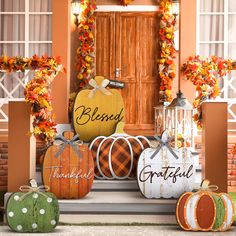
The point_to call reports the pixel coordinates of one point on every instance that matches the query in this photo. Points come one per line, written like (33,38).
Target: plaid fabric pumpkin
(116,156)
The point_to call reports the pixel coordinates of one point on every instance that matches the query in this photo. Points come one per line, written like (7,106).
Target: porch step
(132,203)
(86,219)
(117,203)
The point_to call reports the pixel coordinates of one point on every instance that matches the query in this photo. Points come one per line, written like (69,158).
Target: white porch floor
(120,230)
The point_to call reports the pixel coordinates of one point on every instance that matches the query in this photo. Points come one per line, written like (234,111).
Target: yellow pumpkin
(97,111)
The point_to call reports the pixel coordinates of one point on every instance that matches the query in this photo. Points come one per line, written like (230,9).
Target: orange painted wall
(187,31)
(61,35)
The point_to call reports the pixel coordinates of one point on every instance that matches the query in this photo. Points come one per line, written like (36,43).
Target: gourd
(205,210)
(68,168)
(97,111)
(116,156)
(32,210)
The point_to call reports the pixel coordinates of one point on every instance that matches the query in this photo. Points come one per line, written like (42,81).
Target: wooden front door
(127,50)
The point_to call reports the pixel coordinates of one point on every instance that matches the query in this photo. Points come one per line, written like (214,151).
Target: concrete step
(116,219)
(131,203)
(118,203)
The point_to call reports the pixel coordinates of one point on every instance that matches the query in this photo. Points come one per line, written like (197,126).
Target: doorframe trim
(130,8)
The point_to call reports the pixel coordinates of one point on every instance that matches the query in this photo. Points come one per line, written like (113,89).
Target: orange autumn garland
(86,49)
(167,68)
(125,2)
(37,91)
(204,73)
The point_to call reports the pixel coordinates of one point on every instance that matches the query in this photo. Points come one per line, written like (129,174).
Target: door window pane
(212,49)
(38,31)
(212,5)
(232,51)
(12,5)
(12,49)
(231,27)
(12,27)
(212,28)
(40,5)
(40,49)
(232,5)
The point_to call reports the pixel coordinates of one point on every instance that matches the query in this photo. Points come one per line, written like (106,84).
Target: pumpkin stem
(120,128)
(205,183)
(33,183)
(68,134)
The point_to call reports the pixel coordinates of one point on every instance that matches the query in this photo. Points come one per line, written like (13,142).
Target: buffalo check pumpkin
(116,156)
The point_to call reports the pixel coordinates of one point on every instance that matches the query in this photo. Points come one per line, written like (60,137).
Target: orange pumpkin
(68,168)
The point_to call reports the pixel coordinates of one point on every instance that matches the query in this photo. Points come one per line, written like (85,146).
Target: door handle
(117,72)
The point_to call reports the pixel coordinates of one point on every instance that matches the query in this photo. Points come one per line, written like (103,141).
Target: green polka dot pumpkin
(36,212)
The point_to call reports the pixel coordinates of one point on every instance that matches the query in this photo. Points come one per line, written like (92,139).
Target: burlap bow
(33,189)
(62,141)
(164,143)
(97,87)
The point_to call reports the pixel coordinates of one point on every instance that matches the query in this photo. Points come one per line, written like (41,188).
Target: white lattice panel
(228,93)
(11,89)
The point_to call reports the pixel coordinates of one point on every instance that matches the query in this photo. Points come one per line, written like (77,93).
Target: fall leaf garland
(125,2)
(86,49)
(37,91)
(167,67)
(204,74)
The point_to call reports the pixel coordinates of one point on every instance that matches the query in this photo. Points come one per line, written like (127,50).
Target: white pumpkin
(167,174)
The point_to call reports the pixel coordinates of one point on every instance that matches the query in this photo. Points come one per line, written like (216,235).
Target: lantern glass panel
(179,123)
(160,118)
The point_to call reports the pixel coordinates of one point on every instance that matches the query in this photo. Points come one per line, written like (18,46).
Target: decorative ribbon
(29,190)
(205,186)
(97,87)
(163,144)
(65,142)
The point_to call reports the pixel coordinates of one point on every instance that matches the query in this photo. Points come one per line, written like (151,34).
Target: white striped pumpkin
(205,211)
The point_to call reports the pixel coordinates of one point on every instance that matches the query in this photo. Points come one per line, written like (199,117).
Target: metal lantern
(179,121)
(76,8)
(160,114)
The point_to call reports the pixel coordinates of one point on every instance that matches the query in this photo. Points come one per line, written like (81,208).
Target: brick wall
(231,169)
(231,166)
(3,166)
(4,160)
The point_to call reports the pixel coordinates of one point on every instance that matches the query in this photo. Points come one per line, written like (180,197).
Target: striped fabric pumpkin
(205,211)
(116,156)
